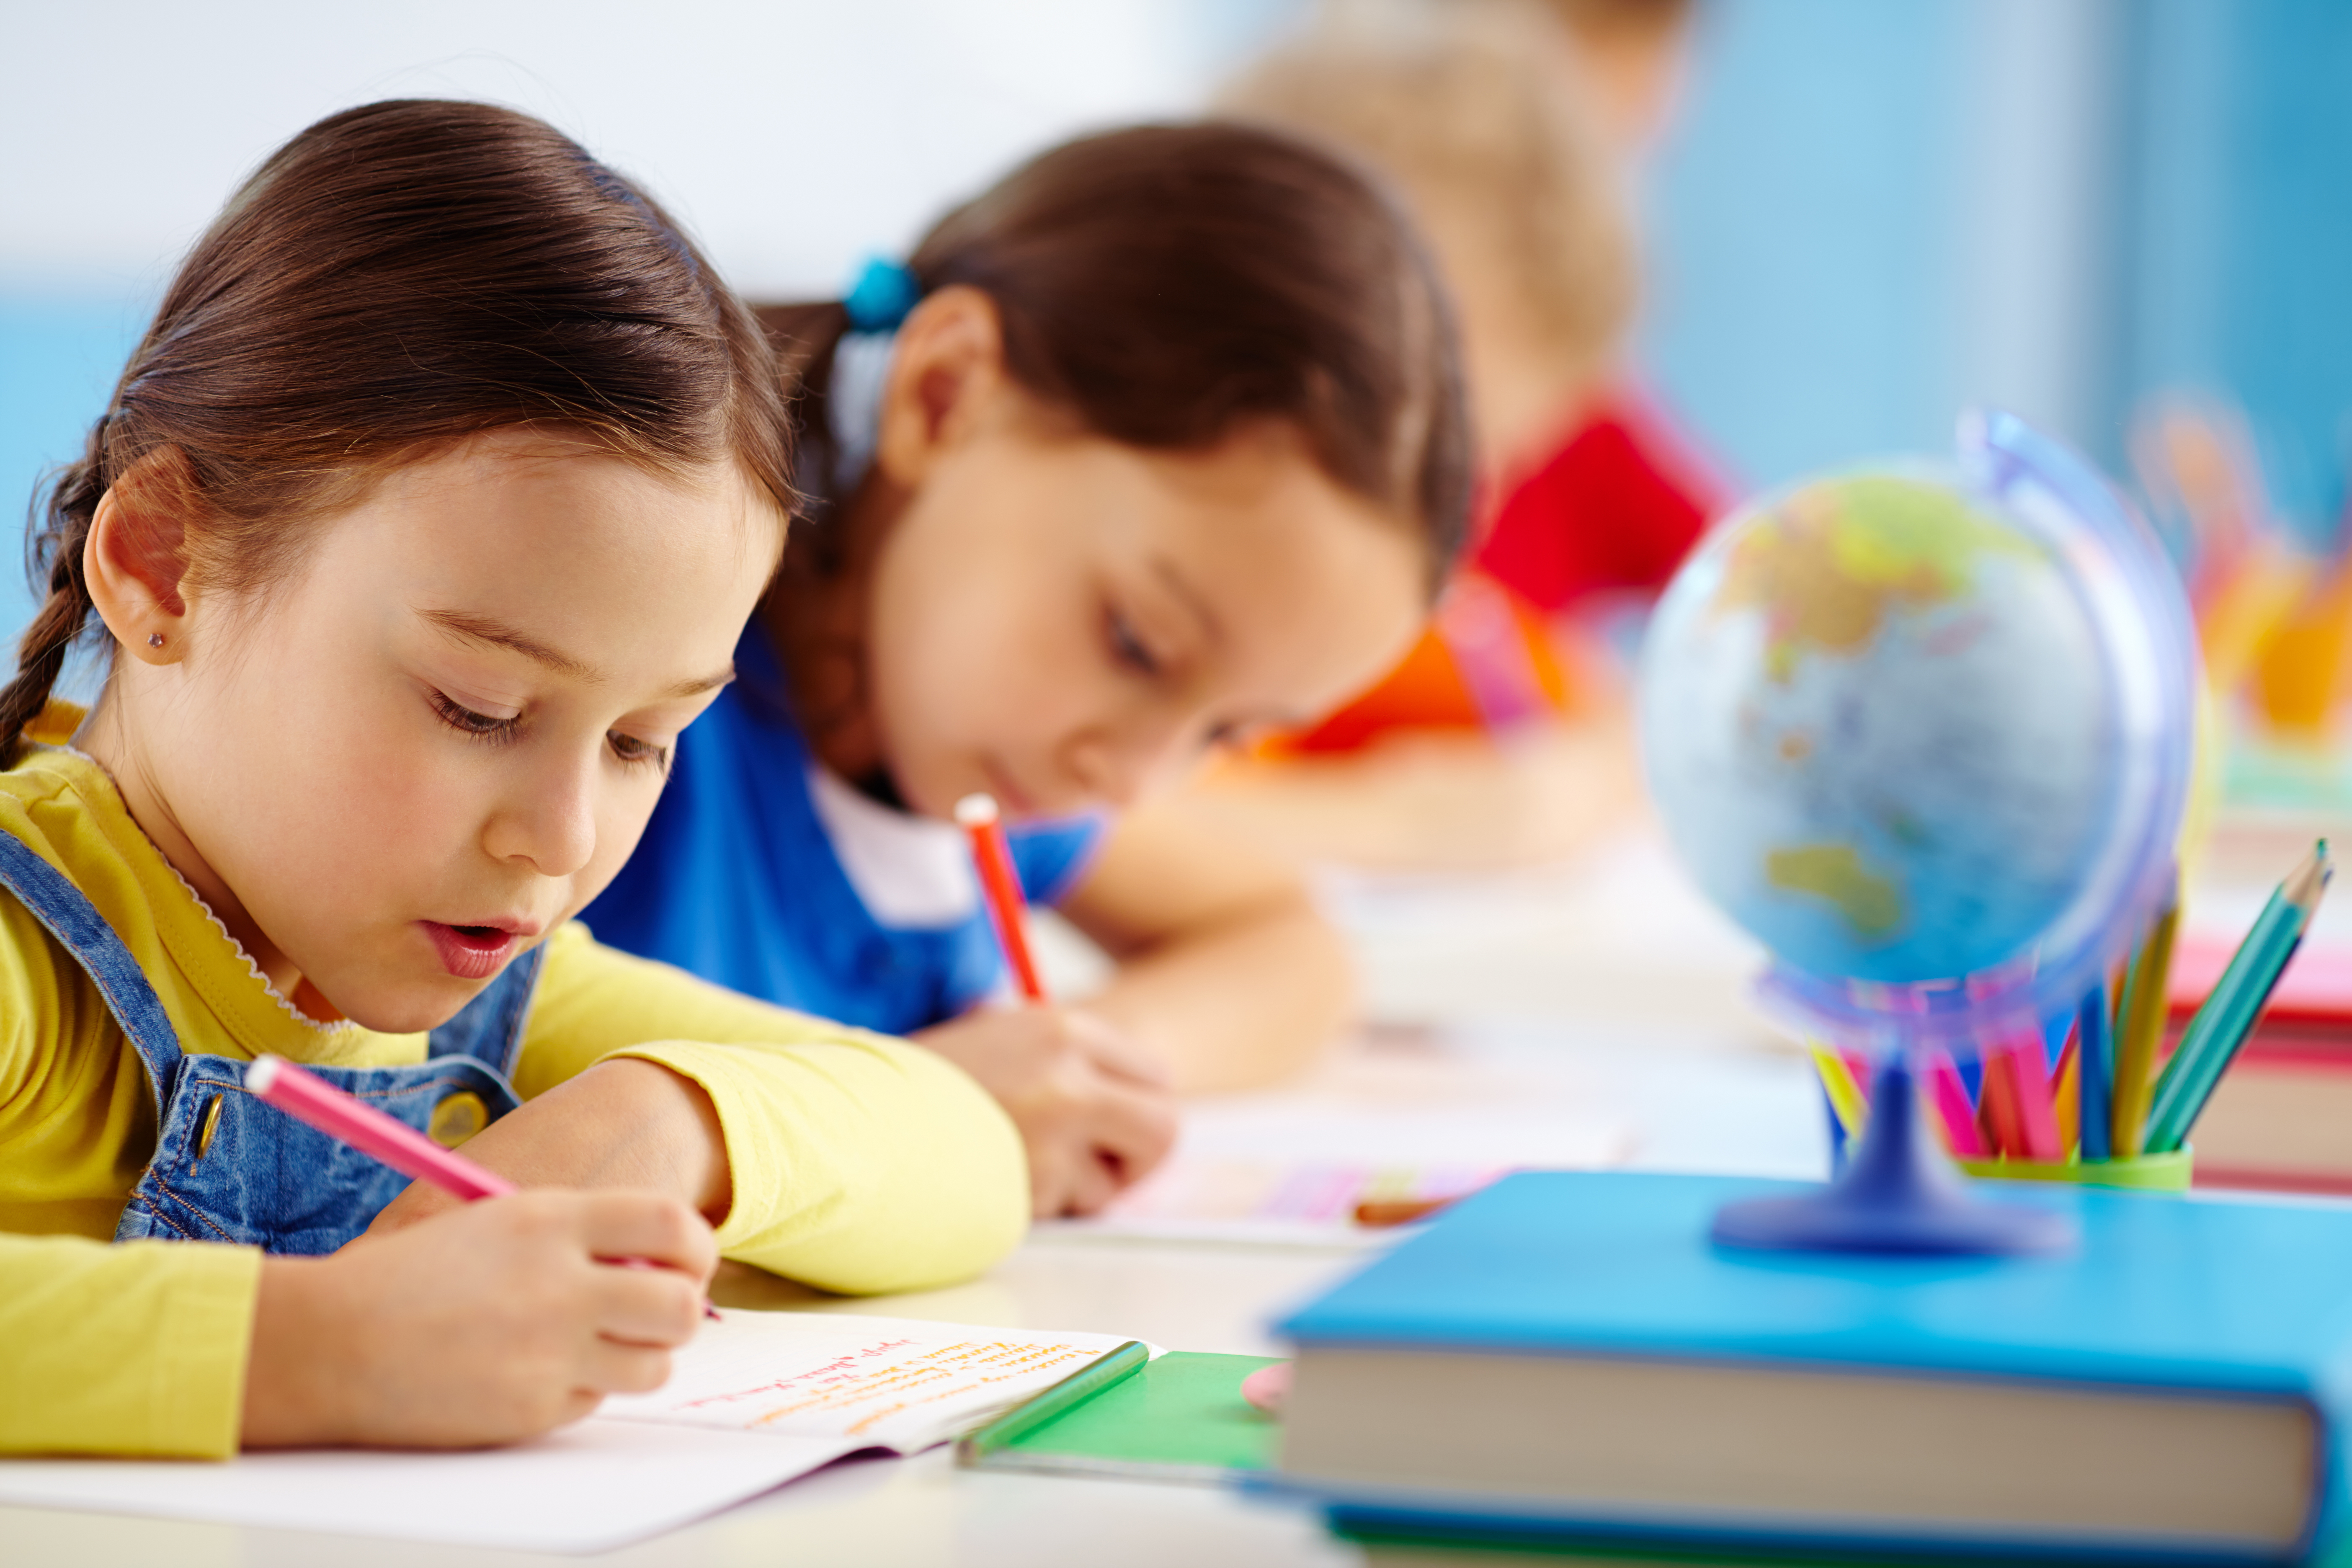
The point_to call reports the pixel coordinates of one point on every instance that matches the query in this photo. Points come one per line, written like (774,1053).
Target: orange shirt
(1615,508)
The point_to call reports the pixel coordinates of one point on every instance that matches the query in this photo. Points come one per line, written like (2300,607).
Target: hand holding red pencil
(1093,1113)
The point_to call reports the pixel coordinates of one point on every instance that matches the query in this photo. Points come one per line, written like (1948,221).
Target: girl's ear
(948,361)
(134,558)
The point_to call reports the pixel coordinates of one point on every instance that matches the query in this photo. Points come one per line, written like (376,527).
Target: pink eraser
(1269,1387)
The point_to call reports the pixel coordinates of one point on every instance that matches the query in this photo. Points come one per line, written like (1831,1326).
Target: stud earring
(154,639)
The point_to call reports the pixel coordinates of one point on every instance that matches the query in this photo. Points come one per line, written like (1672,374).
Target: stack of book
(2282,1118)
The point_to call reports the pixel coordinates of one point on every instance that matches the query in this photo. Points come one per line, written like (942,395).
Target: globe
(1923,730)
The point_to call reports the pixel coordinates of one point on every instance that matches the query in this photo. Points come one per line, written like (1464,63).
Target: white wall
(1871,214)
(791,135)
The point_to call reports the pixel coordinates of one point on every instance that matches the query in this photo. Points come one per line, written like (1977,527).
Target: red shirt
(1615,508)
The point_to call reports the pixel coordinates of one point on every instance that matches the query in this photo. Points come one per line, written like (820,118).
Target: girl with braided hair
(423,519)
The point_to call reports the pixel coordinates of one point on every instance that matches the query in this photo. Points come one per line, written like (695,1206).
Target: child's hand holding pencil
(487,1324)
(278,1082)
(1094,1113)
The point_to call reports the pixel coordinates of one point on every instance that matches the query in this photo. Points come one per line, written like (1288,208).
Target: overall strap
(66,913)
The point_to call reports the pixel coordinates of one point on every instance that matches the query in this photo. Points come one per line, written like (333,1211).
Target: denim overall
(229,1168)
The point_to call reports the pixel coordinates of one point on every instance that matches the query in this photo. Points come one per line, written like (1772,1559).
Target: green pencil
(2222,1023)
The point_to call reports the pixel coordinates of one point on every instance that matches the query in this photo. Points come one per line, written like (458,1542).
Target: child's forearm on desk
(858,1164)
(621,1123)
(135,1348)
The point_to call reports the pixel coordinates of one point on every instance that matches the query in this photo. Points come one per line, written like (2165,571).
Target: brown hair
(1167,283)
(1471,109)
(395,280)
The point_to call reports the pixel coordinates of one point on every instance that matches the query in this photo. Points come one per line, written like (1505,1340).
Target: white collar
(911,872)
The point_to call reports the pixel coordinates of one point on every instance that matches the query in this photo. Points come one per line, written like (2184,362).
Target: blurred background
(1856,216)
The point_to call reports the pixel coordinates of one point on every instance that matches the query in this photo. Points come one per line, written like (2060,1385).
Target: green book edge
(1175,1417)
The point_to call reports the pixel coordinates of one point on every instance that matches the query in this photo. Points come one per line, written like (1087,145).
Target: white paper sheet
(755,1401)
(592,1486)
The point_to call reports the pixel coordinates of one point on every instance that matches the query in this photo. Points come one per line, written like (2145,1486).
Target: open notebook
(755,1401)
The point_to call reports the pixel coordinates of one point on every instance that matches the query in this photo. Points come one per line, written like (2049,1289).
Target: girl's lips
(472,953)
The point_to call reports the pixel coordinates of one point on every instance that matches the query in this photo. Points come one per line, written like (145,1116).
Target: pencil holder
(2166,1173)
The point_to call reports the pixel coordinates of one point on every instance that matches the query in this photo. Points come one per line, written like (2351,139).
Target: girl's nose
(550,823)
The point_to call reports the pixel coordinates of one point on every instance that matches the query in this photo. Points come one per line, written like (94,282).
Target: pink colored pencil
(1949,1096)
(1001,883)
(2037,1104)
(276,1081)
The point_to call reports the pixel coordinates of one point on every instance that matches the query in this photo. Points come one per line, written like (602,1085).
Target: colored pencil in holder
(2140,1032)
(1997,1107)
(1949,1096)
(2036,1112)
(2066,1097)
(1847,1106)
(2093,1075)
(2221,1025)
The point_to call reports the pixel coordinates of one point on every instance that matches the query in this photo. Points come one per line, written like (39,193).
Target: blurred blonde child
(1501,738)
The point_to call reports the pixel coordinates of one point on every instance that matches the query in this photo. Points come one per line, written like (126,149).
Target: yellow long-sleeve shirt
(859,1163)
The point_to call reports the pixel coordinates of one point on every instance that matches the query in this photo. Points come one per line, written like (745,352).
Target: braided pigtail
(54,552)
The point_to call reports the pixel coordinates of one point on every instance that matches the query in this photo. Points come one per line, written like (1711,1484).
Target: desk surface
(1522,969)
(1700,1110)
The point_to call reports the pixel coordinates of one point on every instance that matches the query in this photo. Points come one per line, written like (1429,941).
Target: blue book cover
(2187,1295)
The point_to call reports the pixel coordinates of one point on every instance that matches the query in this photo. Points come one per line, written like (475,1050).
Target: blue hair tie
(885,291)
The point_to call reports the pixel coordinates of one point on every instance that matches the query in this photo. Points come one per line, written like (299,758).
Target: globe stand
(1898,1193)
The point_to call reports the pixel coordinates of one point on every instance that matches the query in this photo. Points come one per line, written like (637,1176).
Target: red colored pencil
(1000,885)
(1996,1109)
(276,1081)
(2037,1113)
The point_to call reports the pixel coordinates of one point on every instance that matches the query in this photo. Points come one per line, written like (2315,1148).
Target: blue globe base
(1899,1194)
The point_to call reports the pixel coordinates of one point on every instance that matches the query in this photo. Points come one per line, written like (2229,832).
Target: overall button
(210,1125)
(458,1118)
